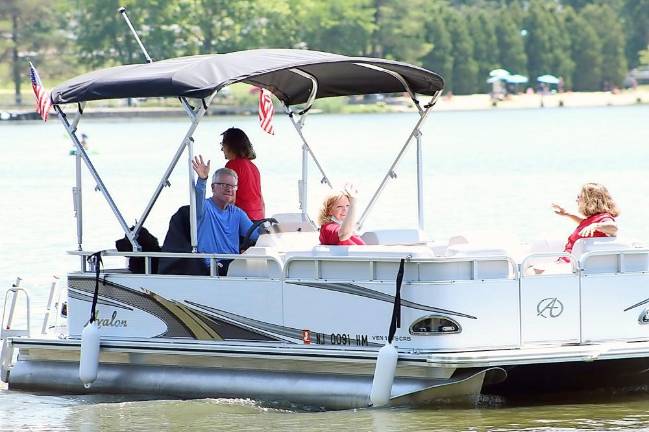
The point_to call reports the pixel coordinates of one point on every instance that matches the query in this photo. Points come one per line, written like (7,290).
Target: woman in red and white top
(239,153)
(600,211)
(337,218)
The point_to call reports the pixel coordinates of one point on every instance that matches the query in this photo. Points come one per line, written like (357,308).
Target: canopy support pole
(306,149)
(400,78)
(76,190)
(71,129)
(304,185)
(195,117)
(420,182)
(415,133)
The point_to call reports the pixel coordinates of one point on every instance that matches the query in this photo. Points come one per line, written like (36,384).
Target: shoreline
(555,100)
(475,102)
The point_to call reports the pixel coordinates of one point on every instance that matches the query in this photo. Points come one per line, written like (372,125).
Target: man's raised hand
(201,168)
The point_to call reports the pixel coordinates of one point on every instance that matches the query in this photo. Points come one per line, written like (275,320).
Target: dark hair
(238,143)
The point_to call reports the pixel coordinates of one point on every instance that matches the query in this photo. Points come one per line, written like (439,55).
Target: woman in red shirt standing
(337,219)
(599,209)
(239,153)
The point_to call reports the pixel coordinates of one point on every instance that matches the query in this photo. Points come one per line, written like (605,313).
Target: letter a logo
(549,307)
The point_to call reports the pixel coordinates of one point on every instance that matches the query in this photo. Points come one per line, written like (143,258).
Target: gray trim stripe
(645,301)
(83,296)
(259,326)
(356,290)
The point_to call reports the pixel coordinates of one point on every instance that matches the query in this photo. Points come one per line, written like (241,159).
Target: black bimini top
(199,76)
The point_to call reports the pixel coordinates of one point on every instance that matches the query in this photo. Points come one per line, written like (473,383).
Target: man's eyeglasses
(227,186)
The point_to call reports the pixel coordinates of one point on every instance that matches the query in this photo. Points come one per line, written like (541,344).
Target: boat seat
(395,237)
(373,251)
(485,269)
(609,263)
(546,246)
(474,250)
(262,268)
(291,222)
(289,241)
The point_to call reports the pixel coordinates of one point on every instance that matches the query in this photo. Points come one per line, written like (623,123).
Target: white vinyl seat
(262,268)
(485,269)
(616,261)
(289,241)
(291,222)
(389,237)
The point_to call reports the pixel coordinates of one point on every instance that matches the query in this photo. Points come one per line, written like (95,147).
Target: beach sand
(568,99)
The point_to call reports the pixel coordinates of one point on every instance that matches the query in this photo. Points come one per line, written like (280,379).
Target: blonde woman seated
(600,211)
(337,218)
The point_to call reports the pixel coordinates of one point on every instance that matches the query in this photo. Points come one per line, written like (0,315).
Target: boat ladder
(58,307)
(6,331)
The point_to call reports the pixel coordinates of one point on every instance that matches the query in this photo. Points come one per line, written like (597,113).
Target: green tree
(36,31)
(538,44)
(611,34)
(440,57)
(511,48)
(560,42)
(105,39)
(485,44)
(516,12)
(340,26)
(586,52)
(465,68)
(643,56)
(636,20)
(398,33)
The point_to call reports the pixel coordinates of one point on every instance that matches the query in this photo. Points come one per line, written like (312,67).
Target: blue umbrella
(498,73)
(516,79)
(548,79)
(493,79)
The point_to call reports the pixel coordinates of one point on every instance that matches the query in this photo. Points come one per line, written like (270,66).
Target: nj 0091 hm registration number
(334,339)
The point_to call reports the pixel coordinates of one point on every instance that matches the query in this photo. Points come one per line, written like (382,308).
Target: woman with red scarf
(600,211)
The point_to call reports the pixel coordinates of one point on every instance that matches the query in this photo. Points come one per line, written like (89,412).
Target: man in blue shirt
(220,222)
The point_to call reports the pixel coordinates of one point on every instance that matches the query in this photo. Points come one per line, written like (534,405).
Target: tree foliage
(33,31)
(610,33)
(538,42)
(587,42)
(586,50)
(511,48)
(485,45)
(465,68)
(636,19)
(440,58)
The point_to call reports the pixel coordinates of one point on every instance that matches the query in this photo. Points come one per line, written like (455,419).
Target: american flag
(43,101)
(266,111)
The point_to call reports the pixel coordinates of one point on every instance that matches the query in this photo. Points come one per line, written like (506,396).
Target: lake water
(489,175)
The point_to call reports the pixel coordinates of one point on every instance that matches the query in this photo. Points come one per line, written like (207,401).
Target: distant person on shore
(239,154)
(337,218)
(596,204)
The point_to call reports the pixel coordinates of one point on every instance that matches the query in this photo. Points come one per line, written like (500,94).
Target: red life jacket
(599,217)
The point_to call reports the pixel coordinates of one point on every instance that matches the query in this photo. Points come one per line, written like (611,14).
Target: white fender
(386,366)
(89,361)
